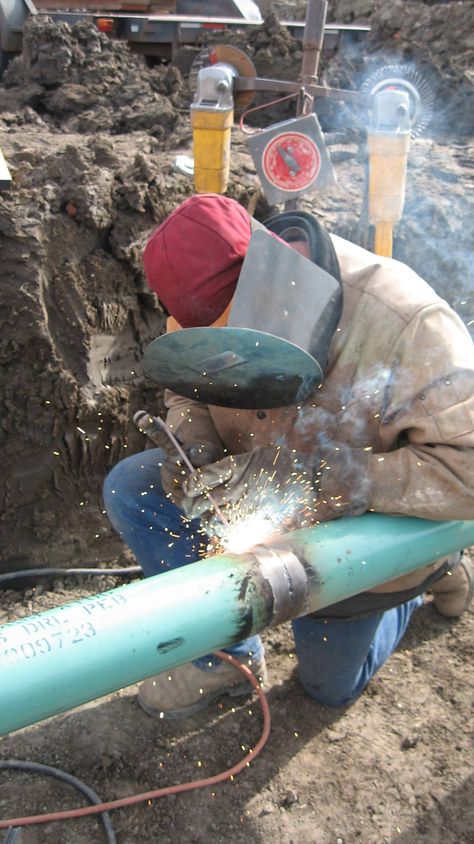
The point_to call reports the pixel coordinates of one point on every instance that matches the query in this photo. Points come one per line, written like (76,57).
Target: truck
(160,30)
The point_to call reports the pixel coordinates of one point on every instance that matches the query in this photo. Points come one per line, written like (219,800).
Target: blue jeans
(336,658)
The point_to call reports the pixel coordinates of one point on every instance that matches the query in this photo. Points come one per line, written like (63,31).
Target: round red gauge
(291,161)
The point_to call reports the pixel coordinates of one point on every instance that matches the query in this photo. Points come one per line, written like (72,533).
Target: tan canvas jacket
(399,385)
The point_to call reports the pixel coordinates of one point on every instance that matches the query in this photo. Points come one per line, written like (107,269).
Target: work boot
(186,690)
(452,594)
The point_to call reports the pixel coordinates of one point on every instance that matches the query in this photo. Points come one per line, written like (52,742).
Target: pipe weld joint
(288,581)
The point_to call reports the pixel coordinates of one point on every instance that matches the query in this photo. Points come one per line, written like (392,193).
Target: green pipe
(56,660)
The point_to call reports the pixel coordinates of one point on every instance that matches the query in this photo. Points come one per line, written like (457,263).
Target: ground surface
(395,768)
(91,137)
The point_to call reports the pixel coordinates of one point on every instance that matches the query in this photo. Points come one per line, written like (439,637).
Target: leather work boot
(186,690)
(452,594)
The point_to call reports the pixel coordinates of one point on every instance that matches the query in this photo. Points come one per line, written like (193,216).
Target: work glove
(175,471)
(294,489)
(273,481)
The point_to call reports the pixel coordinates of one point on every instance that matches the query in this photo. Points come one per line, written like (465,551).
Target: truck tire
(13,14)
(183,59)
(5,57)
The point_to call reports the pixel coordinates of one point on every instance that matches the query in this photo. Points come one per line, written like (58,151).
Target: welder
(383,421)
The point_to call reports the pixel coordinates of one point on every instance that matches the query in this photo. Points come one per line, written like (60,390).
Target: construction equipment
(290,157)
(212,117)
(388,143)
(401,109)
(5,177)
(168,30)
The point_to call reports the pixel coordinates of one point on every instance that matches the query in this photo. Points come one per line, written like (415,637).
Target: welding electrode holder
(151,425)
(198,455)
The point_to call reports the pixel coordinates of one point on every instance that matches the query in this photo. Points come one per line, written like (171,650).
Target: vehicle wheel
(184,58)
(5,57)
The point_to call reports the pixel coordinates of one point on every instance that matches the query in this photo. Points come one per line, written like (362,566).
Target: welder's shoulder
(385,283)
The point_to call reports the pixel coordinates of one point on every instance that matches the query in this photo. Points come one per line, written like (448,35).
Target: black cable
(13,835)
(12,575)
(38,768)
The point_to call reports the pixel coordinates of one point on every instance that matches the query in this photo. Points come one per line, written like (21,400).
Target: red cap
(193,259)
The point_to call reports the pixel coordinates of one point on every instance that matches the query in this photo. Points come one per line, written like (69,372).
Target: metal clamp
(215,88)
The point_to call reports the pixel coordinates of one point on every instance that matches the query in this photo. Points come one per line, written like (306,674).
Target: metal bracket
(214,88)
(259,84)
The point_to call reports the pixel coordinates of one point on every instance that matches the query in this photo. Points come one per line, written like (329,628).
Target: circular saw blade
(405,78)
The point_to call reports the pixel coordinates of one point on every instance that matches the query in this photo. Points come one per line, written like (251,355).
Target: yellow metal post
(388,144)
(211,149)
(383,240)
(212,116)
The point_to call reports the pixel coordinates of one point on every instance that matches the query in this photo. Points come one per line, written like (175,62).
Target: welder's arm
(430,414)
(191,423)
(271,479)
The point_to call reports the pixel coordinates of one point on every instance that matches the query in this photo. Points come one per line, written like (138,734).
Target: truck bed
(159,7)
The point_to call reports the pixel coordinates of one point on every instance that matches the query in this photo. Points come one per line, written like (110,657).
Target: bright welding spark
(248,532)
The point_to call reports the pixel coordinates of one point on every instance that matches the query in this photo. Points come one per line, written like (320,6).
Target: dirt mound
(78,80)
(77,316)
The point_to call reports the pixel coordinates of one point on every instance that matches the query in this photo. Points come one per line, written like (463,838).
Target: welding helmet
(281,311)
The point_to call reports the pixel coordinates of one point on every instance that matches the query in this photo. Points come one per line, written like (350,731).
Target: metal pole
(312,45)
(313,40)
(54,661)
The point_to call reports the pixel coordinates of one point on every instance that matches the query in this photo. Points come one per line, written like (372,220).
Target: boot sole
(205,701)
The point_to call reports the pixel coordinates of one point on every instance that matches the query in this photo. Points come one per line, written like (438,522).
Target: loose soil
(91,136)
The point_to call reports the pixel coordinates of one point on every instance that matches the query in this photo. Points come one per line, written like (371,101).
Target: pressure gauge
(291,161)
(291,158)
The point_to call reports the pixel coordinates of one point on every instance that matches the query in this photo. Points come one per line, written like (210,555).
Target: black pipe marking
(253,582)
(170,645)
(314,579)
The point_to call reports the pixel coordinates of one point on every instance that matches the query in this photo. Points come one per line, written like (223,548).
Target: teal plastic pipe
(54,661)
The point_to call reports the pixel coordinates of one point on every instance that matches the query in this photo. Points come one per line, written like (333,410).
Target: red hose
(171,789)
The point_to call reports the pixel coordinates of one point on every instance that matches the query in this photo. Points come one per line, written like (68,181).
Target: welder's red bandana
(193,259)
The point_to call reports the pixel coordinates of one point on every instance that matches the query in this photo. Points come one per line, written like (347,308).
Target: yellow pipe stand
(388,155)
(211,148)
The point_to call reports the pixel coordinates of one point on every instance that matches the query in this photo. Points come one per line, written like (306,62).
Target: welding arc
(172,789)
(405,78)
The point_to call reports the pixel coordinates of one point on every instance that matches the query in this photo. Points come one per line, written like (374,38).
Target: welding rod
(151,425)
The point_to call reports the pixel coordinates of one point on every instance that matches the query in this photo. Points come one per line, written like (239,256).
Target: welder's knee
(335,696)
(130,479)
(335,660)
